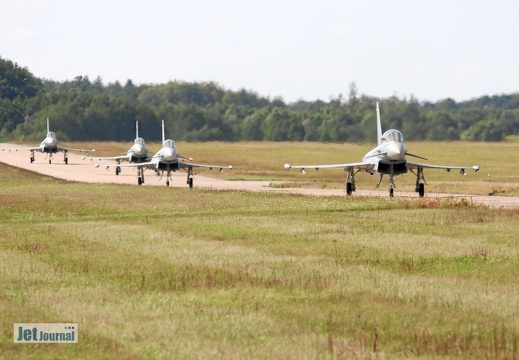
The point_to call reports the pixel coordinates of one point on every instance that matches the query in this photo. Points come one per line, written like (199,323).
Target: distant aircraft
(50,146)
(167,159)
(138,153)
(388,158)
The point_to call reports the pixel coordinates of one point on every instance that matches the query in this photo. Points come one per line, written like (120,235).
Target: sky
(296,50)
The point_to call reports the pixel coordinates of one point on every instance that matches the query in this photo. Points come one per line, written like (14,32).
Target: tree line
(84,110)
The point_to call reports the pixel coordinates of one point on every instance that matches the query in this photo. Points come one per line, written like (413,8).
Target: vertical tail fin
(136,129)
(163,132)
(48,127)
(379,127)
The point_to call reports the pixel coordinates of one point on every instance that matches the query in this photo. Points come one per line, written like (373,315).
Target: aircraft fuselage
(388,157)
(167,157)
(49,145)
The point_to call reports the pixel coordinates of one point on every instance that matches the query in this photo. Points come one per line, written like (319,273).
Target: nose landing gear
(391,185)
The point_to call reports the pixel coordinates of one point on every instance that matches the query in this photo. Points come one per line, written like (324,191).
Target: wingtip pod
(287,166)
(476,168)
(230,167)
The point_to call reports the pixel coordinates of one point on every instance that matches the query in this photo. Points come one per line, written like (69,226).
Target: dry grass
(223,274)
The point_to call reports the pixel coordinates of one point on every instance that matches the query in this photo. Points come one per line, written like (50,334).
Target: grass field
(151,272)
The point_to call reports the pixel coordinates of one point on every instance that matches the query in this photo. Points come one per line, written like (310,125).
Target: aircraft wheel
(66,161)
(32,160)
(139,181)
(117,170)
(421,190)
(391,192)
(190,183)
(349,188)
(167,183)
(50,161)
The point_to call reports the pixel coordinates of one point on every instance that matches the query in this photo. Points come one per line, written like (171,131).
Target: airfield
(244,266)
(84,170)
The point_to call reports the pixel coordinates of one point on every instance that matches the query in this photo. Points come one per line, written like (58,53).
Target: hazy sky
(294,49)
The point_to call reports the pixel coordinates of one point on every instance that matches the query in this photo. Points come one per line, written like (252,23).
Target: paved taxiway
(84,171)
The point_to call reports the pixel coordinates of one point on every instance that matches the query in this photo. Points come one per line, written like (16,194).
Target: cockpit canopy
(51,135)
(393,135)
(168,143)
(139,141)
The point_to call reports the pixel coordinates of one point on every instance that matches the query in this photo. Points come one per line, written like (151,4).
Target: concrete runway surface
(84,171)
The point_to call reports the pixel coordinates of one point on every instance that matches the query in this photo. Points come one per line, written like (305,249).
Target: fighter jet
(168,160)
(138,153)
(388,158)
(50,146)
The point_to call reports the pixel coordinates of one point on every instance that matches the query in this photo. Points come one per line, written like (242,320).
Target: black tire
(421,190)
(391,192)
(349,189)
(139,181)
(167,183)
(50,161)
(66,161)
(117,170)
(190,183)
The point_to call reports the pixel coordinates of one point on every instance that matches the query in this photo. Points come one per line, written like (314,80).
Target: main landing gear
(350,181)
(65,158)
(190,177)
(32,157)
(140,174)
(420,182)
(189,181)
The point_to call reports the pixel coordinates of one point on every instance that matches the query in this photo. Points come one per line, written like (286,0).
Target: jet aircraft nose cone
(169,155)
(396,151)
(50,141)
(139,150)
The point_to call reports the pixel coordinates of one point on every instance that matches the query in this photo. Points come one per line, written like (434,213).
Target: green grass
(155,272)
